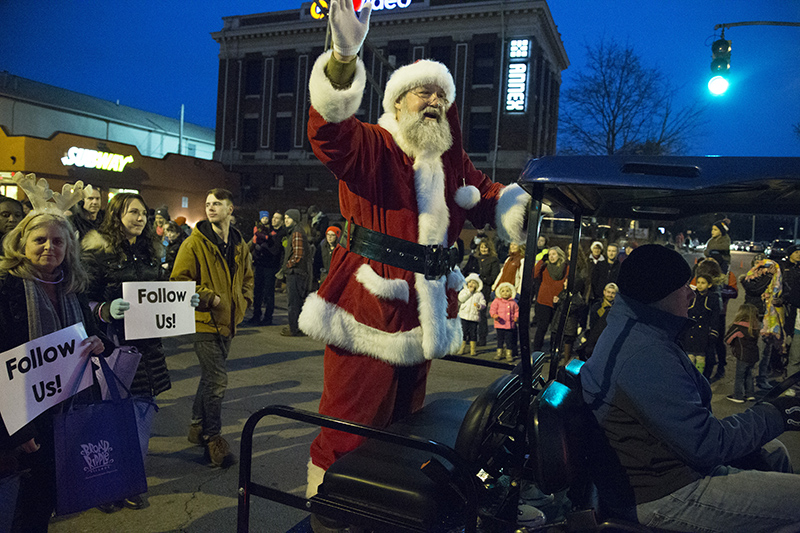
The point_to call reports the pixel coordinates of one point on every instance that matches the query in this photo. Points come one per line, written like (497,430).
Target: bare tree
(618,106)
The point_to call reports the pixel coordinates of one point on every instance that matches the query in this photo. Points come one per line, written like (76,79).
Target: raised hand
(347,29)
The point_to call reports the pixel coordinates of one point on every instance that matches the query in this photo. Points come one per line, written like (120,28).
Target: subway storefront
(176,181)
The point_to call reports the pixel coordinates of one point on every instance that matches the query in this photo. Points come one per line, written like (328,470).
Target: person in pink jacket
(505,312)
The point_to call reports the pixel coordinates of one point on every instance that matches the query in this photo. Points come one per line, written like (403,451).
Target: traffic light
(721,52)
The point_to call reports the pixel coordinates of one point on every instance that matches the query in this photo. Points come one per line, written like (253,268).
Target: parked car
(738,245)
(753,246)
(777,250)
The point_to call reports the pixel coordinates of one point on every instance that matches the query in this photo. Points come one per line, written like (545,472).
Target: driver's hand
(789,407)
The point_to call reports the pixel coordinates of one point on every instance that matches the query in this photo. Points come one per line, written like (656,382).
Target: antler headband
(40,195)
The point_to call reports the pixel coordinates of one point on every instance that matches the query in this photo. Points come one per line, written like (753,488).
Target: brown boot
(473,348)
(509,355)
(219,453)
(499,354)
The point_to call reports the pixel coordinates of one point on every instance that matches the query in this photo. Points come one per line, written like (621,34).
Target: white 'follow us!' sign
(158,309)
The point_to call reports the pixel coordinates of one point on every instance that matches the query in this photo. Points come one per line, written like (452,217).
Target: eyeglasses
(425,95)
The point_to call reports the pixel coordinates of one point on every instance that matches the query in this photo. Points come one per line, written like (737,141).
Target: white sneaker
(529,516)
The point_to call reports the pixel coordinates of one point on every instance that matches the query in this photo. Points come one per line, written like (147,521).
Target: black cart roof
(667,188)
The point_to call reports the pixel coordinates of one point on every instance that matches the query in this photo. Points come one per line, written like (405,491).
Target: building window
(9,191)
(286,75)
(283,134)
(483,66)
(253,75)
(191,149)
(277,181)
(441,53)
(480,128)
(310,183)
(249,135)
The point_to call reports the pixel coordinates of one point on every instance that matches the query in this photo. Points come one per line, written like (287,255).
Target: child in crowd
(705,312)
(505,312)
(472,303)
(742,337)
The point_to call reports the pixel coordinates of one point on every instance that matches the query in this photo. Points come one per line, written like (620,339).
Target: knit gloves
(789,406)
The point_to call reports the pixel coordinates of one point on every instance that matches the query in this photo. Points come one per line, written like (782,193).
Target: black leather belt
(434,261)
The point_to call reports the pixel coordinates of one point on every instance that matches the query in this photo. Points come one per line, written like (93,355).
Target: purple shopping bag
(98,455)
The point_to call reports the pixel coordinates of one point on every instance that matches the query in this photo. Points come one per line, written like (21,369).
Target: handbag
(97,452)
(123,361)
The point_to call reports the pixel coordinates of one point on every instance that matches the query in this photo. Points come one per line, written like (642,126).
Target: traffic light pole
(755,23)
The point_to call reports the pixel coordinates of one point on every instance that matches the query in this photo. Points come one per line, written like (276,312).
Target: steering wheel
(780,388)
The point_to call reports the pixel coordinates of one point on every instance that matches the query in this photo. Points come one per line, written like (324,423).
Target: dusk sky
(158,55)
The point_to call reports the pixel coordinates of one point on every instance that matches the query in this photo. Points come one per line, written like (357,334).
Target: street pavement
(264,368)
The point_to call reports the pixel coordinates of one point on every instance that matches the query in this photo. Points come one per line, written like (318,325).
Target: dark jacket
(82,224)
(14,325)
(743,345)
(304,264)
(108,269)
(172,252)
(704,310)
(655,408)
(322,260)
(603,273)
(267,247)
(487,267)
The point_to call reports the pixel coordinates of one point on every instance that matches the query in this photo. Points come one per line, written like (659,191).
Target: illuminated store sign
(319,9)
(82,157)
(517,76)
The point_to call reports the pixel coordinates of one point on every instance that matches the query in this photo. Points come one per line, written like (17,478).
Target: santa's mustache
(434,112)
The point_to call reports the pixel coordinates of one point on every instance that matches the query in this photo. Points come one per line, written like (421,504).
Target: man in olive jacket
(217,258)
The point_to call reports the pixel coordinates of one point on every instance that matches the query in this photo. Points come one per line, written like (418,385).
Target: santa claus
(389,305)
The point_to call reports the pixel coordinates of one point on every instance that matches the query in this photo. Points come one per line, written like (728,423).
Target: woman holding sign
(126,248)
(41,281)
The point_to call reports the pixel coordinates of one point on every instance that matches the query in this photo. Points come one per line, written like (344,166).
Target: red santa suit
(382,324)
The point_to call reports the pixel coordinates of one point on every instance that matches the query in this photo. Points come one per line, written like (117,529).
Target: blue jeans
(743,384)
(212,352)
(9,486)
(730,500)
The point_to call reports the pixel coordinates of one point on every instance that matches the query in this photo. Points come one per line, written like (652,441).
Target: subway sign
(319,9)
(83,157)
(517,76)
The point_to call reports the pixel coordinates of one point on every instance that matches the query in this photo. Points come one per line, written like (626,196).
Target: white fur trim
(437,340)
(468,196)
(333,104)
(434,217)
(510,213)
(313,479)
(387,289)
(413,75)
(455,279)
(333,325)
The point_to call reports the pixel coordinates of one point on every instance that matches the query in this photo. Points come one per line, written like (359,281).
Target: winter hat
(337,230)
(722,226)
(421,72)
(476,278)
(505,284)
(181,220)
(163,211)
(597,243)
(294,214)
(652,272)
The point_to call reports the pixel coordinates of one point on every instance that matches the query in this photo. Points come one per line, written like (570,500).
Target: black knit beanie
(652,272)
(722,226)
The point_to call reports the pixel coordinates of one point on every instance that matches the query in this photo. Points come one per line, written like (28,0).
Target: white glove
(118,308)
(347,29)
(195,301)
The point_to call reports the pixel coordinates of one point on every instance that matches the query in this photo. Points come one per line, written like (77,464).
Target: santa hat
(421,72)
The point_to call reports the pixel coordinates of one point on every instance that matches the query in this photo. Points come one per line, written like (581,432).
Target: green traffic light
(717,85)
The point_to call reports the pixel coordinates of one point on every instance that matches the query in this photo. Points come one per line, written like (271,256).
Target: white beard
(424,136)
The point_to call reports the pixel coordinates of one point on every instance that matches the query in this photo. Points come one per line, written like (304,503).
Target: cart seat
(385,480)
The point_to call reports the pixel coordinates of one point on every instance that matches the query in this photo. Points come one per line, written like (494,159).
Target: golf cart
(460,466)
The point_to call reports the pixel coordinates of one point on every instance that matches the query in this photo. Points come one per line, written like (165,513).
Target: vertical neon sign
(517,76)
